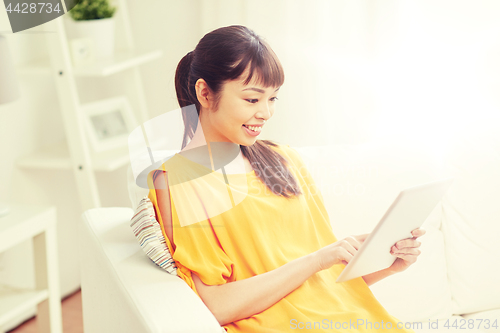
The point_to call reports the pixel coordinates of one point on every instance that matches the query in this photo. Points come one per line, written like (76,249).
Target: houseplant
(94,19)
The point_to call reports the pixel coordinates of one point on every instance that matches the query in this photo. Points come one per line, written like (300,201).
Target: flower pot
(101,31)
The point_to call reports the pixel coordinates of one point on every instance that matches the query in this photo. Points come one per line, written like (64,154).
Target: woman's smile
(241,107)
(252,130)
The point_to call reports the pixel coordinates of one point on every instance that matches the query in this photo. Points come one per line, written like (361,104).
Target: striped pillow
(148,232)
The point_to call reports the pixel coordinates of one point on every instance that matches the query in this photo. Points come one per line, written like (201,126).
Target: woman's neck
(239,165)
(198,139)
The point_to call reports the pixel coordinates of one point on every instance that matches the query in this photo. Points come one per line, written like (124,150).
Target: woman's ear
(203,93)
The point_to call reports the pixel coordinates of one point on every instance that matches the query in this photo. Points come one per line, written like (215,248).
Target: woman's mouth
(252,130)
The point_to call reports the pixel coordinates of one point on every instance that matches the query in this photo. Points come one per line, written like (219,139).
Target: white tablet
(409,211)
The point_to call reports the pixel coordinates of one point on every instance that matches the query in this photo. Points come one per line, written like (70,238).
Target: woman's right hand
(340,252)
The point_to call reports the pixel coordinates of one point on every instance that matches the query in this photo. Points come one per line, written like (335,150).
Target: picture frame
(108,123)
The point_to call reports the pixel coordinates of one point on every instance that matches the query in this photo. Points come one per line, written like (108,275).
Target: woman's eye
(254,100)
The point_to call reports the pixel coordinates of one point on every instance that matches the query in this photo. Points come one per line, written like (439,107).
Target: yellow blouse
(255,232)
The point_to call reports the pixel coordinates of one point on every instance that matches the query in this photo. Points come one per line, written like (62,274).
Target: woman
(267,262)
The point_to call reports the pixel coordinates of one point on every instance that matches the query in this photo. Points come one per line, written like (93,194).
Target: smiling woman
(254,107)
(233,76)
(257,247)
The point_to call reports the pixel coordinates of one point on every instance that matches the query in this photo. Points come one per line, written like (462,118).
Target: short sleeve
(199,251)
(197,247)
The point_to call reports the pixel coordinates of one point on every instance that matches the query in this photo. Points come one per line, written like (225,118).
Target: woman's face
(241,112)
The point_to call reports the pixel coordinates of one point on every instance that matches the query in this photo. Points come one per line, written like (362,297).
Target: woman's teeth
(254,128)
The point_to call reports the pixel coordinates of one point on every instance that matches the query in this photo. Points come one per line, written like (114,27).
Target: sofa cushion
(421,292)
(148,233)
(471,222)
(489,320)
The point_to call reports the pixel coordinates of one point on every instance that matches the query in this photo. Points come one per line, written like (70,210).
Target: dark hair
(223,55)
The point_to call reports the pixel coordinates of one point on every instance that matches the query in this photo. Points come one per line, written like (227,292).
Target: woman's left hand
(406,251)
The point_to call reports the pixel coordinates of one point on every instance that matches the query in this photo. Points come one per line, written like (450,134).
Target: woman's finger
(409,242)
(405,251)
(361,238)
(350,244)
(346,255)
(408,258)
(418,232)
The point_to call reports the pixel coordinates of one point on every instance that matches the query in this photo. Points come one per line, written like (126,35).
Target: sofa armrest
(124,291)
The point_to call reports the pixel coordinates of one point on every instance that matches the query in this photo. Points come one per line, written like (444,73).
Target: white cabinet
(39,224)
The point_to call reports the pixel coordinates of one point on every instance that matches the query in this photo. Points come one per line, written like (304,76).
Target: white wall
(438,77)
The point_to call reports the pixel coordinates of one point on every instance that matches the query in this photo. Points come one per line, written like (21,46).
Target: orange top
(255,231)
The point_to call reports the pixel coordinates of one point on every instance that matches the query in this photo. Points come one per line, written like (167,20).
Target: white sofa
(455,280)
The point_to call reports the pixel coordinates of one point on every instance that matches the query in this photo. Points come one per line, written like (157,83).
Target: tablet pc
(409,211)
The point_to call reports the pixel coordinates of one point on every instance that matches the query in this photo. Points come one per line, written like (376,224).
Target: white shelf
(37,223)
(14,302)
(122,60)
(119,62)
(126,60)
(56,157)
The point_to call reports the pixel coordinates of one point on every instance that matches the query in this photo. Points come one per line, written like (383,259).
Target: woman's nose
(265,112)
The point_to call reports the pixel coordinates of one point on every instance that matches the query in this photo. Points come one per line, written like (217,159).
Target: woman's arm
(377,276)
(241,299)
(160,181)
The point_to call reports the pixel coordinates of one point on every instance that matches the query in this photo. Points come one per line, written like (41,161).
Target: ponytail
(186,96)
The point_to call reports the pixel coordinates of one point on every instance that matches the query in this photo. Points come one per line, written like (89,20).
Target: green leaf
(92,10)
